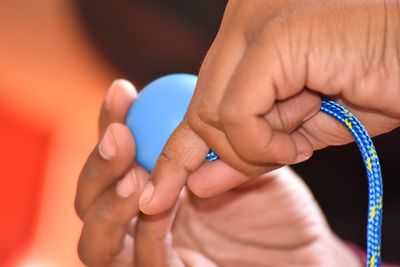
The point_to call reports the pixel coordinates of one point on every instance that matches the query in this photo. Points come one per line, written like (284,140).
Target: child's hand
(257,100)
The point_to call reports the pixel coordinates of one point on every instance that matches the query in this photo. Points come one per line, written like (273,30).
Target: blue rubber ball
(156,112)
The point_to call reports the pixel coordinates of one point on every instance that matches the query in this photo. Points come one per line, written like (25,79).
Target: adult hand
(257,99)
(271,220)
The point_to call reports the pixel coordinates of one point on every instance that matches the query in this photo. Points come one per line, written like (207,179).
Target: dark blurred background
(146,39)
(57,60)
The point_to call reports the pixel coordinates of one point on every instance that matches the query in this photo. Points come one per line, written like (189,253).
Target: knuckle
(194,122)
(281,18)
(175,164)
(229,115)
(89,256)
(79,202)
(165,158)
(102,210)
(83,253)
(248,155)
(277,23)
(207,112)
(79,209)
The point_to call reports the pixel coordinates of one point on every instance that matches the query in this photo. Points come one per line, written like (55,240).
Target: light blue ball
(156,112)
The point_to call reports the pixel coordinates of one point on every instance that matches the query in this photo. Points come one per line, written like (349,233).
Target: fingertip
(166,183)
(121,91)
(118,99)
(279,149)
(155,200)
(282,149)
(303,146)
(183,153)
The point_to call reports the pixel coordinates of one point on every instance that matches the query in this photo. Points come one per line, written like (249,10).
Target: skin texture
(257,100)
(271,221)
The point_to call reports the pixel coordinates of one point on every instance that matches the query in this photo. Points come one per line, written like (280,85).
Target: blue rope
(373,169)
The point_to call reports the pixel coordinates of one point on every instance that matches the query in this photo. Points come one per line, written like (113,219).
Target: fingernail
(127,185)
(107,146)
(301,157)
(147,194)
(125,86)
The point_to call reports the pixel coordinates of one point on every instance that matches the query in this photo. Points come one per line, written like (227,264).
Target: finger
(322,130)
(104,240)
(217,177)
(289,114)
(106,164)
(214,178)
(221,61)
(183,153)
(252,94)
(116,104)
(304,147)
(153,240)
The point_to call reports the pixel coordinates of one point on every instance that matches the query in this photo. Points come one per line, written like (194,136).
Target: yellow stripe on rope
(348,123)
(373,212)
(373,152)
(372,261)
(369,163)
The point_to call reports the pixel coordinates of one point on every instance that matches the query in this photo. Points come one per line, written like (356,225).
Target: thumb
(289,114)
(153,242)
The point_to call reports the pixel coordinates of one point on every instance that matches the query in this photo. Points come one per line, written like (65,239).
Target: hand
(114,234)
(272,220)
(258,95)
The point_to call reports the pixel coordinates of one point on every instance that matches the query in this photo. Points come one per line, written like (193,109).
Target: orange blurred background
(51,86)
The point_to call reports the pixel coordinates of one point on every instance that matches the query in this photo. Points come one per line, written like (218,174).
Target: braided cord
(373,169)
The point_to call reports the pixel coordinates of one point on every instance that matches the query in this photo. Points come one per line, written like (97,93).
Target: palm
(274,218)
